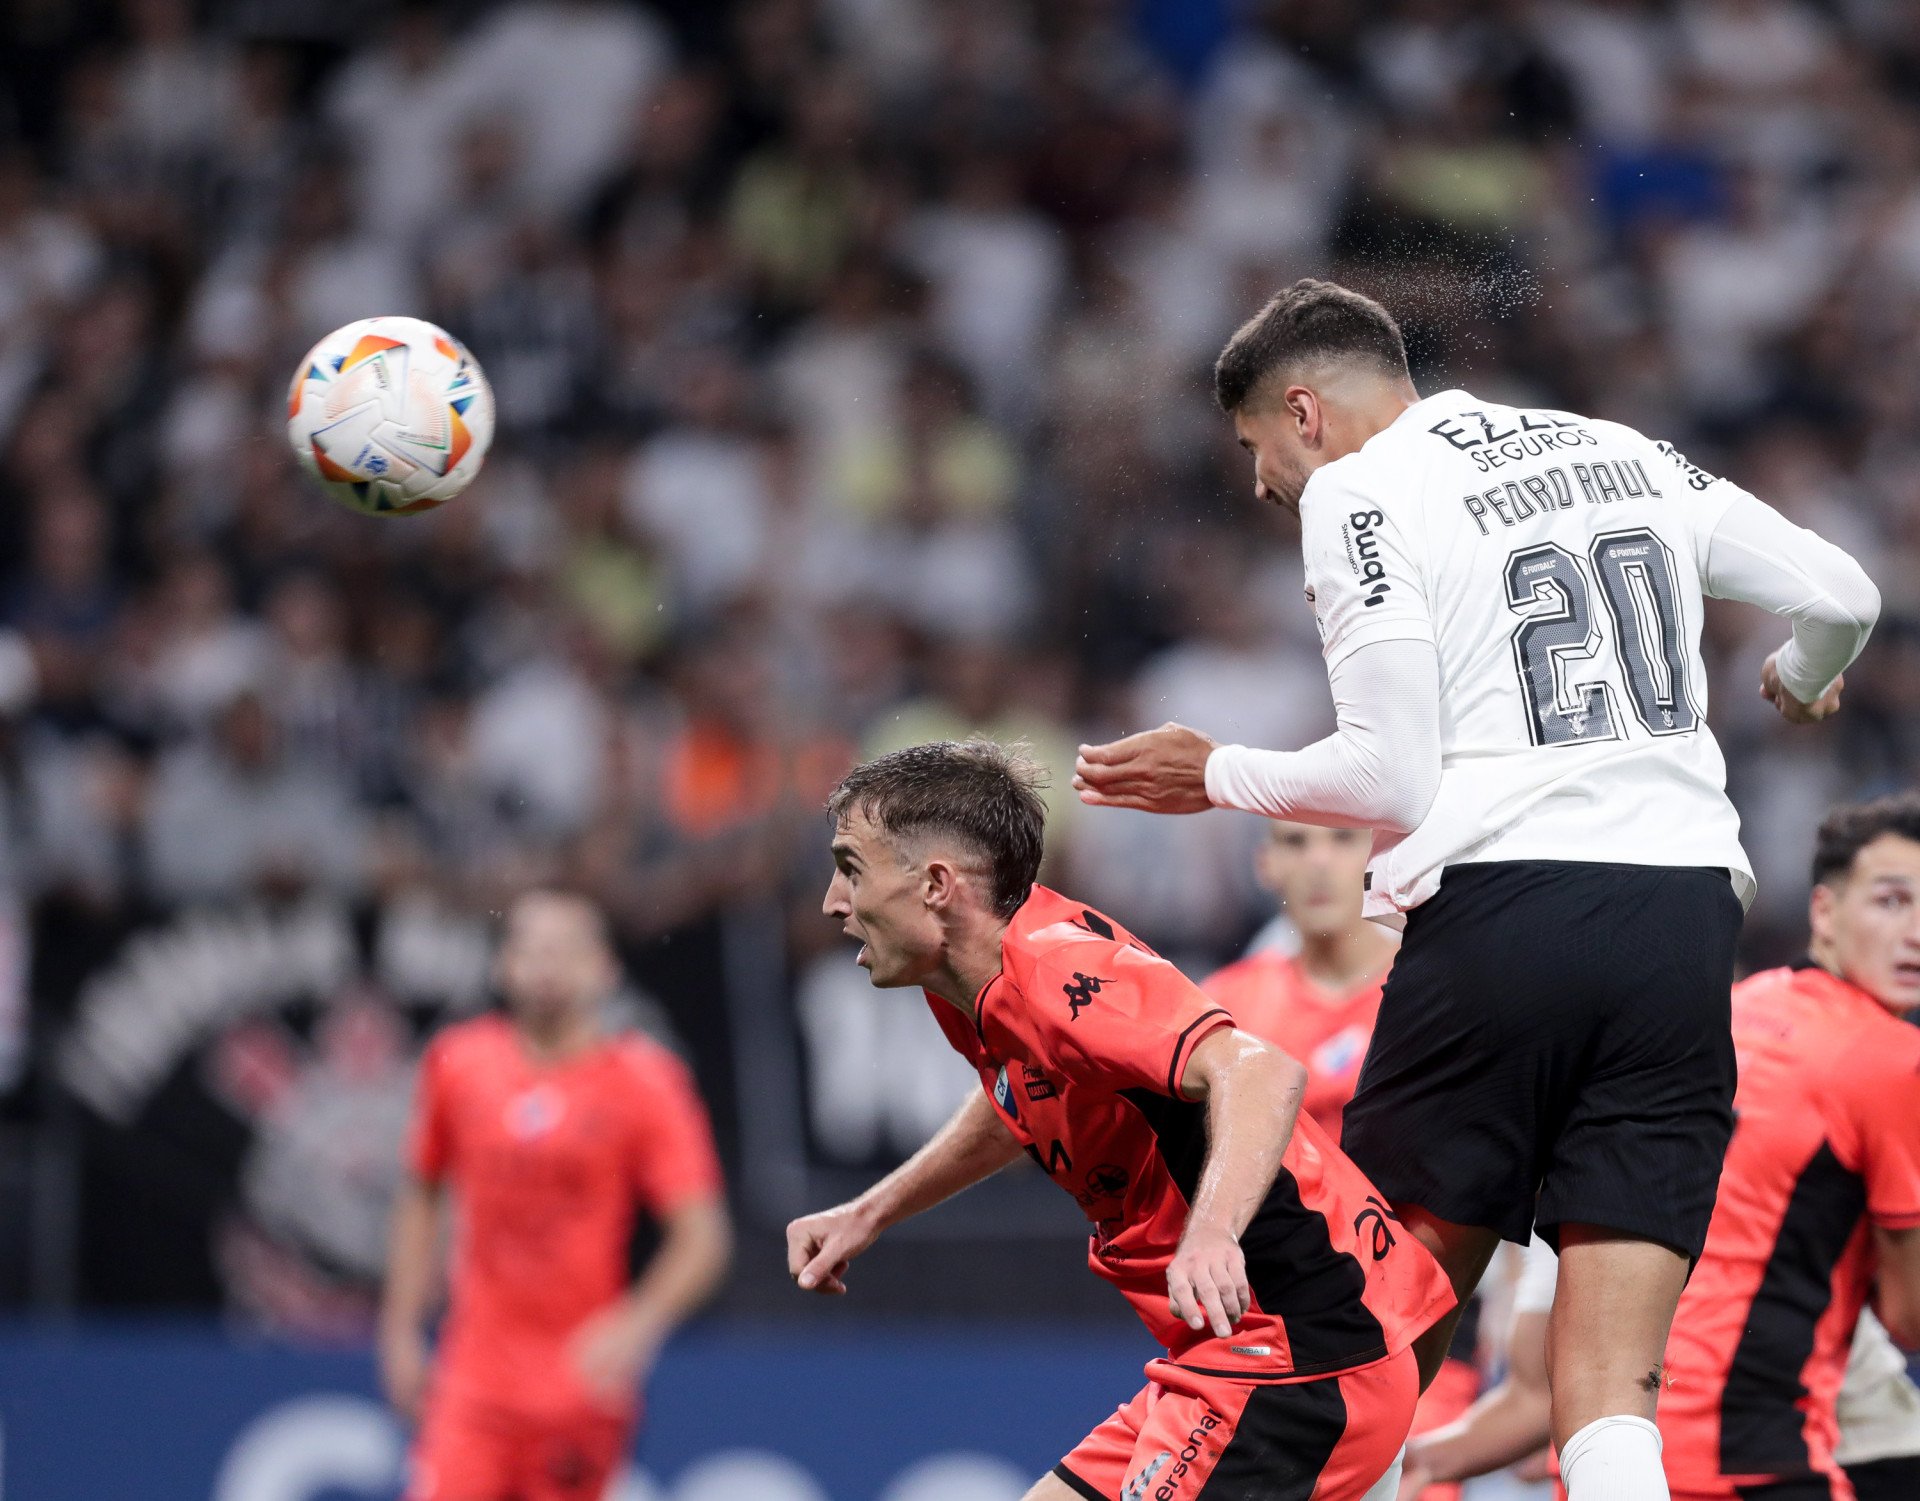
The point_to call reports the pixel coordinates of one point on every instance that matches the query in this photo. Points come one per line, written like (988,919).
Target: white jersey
(1556,564)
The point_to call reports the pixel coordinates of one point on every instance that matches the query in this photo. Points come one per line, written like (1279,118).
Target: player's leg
(1053,1488)
(1464,1252)
(573,1460)
(1634,1170)
(462,1453)
(1606,1340)
(1460,1093)
(1338,1438)
(1097,1468)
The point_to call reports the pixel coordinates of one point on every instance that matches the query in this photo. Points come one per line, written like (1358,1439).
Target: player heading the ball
(1284,1293)
(1510,605)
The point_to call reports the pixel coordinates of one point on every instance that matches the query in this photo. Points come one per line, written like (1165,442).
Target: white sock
(1387,1487)
(1614,1459)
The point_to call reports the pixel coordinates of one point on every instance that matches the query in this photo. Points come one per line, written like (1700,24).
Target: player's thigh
(1474,1052)
(1649,1118)
(1324,1440)
(462,1453)
(1100,1463)
(573,1460)
(1053,1488)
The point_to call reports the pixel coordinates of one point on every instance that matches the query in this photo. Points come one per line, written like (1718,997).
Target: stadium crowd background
(851,365)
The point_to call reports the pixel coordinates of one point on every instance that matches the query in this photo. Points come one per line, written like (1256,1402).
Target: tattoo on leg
(1650,1383)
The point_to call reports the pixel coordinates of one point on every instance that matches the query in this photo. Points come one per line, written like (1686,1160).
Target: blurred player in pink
(1319,1004)
(553,1136)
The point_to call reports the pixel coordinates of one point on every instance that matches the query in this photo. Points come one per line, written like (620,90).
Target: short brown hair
(1851,827)
(1310,319)
(985,794)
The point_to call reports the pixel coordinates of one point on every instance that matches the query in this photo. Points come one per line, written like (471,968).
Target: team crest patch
(1136,1488)
(535,1112)
(1340,1052)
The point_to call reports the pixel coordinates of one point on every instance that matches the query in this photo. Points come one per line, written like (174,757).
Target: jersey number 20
(1557,648)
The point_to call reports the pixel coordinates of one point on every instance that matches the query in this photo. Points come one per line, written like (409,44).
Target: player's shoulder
(476,1039)
(1254,974)
(1433,440)
(646,1060)
(1056,941)
(1857,1043)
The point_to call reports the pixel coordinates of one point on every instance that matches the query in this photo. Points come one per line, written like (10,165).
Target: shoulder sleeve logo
(1080,992)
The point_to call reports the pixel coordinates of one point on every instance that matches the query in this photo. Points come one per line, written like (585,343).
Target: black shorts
(1896,1479)
(1555,1047)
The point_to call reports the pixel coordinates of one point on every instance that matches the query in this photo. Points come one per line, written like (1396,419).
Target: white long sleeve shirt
(1510,607)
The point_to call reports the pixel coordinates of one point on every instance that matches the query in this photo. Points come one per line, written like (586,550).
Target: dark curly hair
(1310,319)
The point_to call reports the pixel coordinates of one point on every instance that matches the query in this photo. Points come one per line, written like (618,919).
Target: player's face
(1870,923)
(554,962)
(1317,874)
(879,898)
(1280,469)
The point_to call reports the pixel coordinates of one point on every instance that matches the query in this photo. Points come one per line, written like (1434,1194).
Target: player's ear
(940,885)
(1820,907)
(1303,405)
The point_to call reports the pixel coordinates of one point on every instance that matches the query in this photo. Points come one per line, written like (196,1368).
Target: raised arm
(1756,555)
(1379,769)
(973,1145)
(1252,1092)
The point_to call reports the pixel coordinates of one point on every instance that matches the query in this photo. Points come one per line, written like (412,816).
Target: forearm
(974,1145)
(1380,769)
(408,1292)
(1501,1429)
(1758,556)
(1253,1095)
(694,1254)
(1506,1424)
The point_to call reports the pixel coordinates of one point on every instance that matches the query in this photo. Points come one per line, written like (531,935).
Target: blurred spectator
(239,810)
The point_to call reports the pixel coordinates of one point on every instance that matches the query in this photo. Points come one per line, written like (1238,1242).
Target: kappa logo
(1108,1180)
(1136,1488)
(1080,992)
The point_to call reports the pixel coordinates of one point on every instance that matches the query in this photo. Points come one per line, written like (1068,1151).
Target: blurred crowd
(851,358)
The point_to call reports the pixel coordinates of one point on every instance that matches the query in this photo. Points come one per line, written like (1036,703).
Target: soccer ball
(391,415)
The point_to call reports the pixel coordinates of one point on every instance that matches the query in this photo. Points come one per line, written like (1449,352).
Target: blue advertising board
(188,1413)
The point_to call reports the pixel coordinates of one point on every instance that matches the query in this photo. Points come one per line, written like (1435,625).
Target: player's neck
(556,1039)
(1339,962)
(972,961)
(1827,956)
(1366,407)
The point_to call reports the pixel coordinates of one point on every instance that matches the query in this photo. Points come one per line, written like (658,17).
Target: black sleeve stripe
(1074,1483)
(1180,1047)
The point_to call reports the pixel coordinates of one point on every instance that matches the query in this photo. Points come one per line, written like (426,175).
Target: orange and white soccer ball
(391,415)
